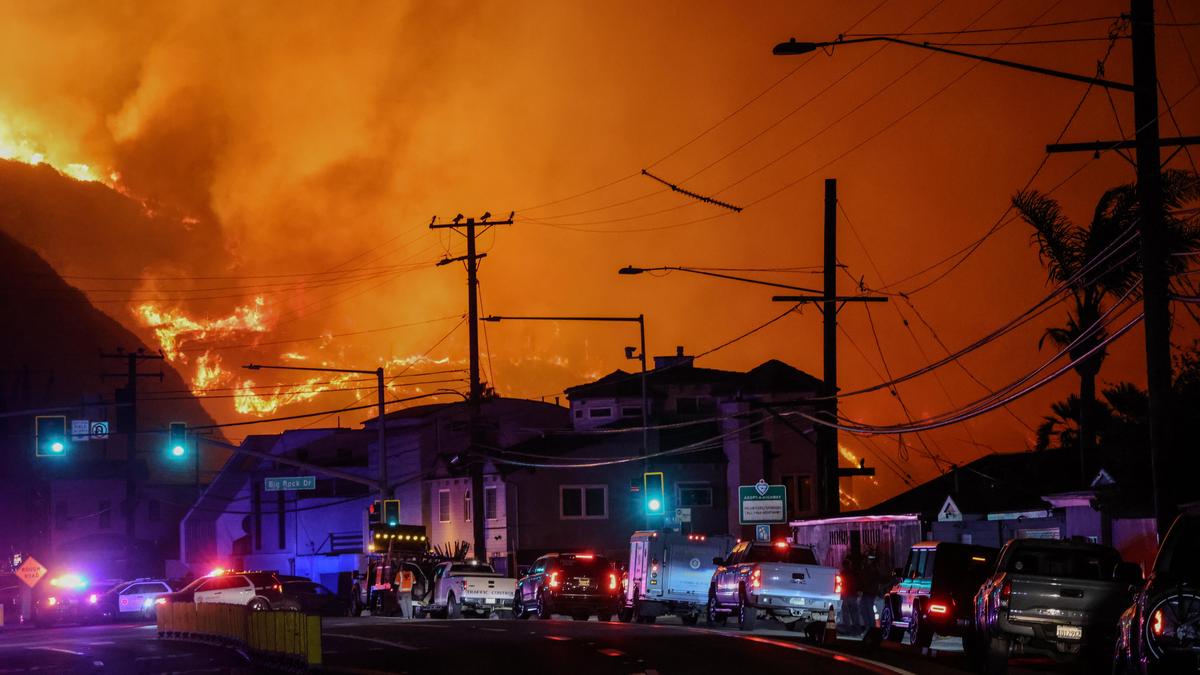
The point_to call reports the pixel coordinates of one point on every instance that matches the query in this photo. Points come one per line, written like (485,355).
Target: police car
(135,599)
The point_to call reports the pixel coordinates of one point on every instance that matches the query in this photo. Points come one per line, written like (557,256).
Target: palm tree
(1067,250)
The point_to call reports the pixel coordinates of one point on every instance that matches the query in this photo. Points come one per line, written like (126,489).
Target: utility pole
(470,231)
(126,400)
(828,474)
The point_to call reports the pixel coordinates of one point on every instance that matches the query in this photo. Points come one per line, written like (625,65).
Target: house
(993,499)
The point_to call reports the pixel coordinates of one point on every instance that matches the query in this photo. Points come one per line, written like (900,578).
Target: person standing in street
(852,623)
(404,590)
(868,580)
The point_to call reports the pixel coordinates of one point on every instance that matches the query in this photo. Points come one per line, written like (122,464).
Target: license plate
(797,601)
(1069,632)
(585,582)
(489,601)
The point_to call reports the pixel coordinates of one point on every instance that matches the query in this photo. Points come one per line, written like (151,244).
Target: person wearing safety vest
(404,588)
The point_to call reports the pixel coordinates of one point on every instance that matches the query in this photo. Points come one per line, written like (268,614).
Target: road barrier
(287,639)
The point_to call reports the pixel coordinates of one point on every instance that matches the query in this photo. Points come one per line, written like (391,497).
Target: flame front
(173,328)
(17,147)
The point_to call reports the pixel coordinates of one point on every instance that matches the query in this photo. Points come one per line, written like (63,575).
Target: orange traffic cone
(829,636)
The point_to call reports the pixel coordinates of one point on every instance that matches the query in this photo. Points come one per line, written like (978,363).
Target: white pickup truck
(469,588)
(773,579)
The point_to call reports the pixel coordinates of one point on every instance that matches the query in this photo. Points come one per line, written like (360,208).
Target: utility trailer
(669,573)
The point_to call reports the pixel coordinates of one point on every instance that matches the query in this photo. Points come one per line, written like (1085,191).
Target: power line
(997,29)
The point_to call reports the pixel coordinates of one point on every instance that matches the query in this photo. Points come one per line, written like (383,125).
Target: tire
(922,632)
(518,609)
(886,623)
(996,658)
(543,607)
(259,605)
(453,609)
(747,615)
(690,619)
(711,616)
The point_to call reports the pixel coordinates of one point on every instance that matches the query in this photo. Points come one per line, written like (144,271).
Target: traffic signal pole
(129,393)
(474,401)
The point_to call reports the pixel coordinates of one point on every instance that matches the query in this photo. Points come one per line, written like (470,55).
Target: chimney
(679,360)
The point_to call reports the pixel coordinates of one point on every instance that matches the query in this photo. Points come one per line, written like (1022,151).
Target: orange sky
(271,138)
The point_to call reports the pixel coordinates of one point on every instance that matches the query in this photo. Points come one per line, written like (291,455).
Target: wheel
(453,609)
(518,609)
(996,659)
(922,631)
(747,615)
(690,619)
(711,616)
(604,618)
(580,617)
(887,624)
(259,605)
(543,607)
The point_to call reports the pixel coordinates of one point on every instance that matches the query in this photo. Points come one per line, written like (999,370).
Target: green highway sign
(762,503)
(281,483)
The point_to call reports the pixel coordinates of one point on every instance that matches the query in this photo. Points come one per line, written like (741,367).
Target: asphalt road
(392,645)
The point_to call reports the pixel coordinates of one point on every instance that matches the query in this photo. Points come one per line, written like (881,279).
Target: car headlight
(1173,624)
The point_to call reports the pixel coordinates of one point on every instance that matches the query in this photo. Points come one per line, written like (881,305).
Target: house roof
(991,484)
(771,376)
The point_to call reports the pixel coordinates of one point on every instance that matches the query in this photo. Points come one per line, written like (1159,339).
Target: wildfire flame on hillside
(173,328)
(17,147)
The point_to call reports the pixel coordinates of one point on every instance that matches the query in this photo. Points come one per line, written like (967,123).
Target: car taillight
(938,609)
(837,584)
(1005,592)
(756,578)
(1156,623)
(554,580)
(612,582)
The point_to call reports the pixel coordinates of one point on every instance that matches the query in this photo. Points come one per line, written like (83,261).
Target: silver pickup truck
(772,579)
(1058,598)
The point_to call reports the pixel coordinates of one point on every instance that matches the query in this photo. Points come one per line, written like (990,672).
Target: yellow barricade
(287,636)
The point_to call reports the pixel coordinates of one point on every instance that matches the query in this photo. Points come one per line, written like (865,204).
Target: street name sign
(762,503)
(31,571)
(281,483)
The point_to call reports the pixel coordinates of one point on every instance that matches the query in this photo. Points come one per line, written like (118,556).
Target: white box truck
(669,574)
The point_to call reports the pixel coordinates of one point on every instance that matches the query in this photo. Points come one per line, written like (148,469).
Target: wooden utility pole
(470,231)
(126,400)
(828,474)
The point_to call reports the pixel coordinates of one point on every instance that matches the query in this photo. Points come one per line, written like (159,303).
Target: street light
(1155,299)
(385,491)
(640,320)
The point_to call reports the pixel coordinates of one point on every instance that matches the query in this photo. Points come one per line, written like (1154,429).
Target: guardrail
(286,639)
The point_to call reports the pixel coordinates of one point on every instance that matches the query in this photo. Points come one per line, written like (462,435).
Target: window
(443,506)
(583,502)
(799,493)
(694,494)
(631,412)
(467,505)
(490,495)
(61,515)
(600,412)
(105,514)
(154,511)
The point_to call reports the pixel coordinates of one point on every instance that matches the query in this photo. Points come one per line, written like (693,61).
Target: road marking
(611,652)
(560,638)
(397,645)
(99,642)
(61,650)
(495,630)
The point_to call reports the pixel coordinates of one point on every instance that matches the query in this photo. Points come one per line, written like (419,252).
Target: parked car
(772,579)
(669,573)
(135,599)
(1058,598)
(579,584)
(1160,631)
(256,590)
(311,598)
(935,591)
(469,588)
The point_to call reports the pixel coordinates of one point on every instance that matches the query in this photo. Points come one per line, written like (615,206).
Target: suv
(256,590)
(579,584)
(135,599)
(1059,598)
(935,591)
(1160,631)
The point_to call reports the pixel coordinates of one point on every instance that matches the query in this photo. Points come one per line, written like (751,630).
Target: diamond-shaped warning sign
(31,571)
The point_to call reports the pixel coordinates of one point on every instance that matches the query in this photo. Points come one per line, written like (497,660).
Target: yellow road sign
(31,571)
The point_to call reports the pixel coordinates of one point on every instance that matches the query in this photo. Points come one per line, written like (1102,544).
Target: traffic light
(375,513)
(177,440)
(655,499)
(391,512)
(50,436)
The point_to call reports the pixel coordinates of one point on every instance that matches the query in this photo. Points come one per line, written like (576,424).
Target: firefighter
(404,591)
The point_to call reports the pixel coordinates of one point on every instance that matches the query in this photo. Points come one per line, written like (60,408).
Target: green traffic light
(57,446)
(177,451)
(654,505)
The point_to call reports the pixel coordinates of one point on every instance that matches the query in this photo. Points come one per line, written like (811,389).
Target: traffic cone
(829,636)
